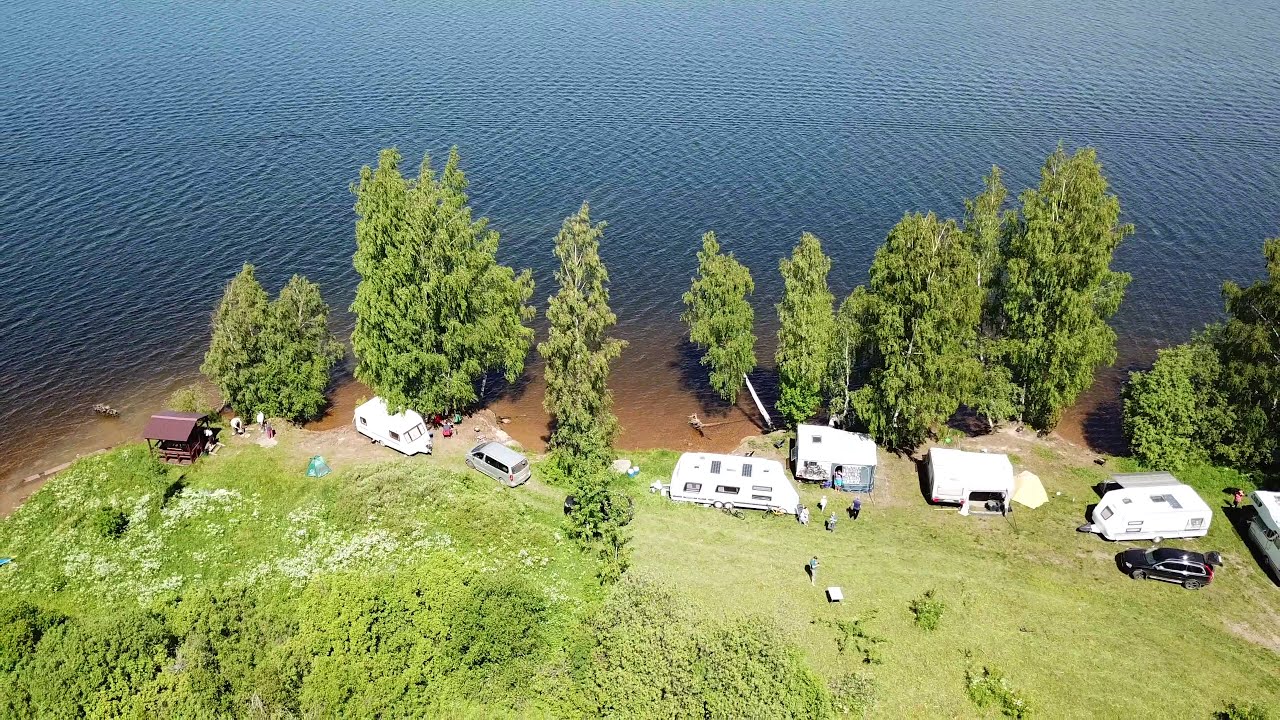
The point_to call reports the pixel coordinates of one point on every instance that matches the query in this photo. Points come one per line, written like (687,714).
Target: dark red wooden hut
(177,437)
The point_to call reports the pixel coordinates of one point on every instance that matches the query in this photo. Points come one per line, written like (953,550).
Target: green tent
(318,467)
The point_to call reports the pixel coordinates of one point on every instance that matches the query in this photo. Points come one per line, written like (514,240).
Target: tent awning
(1028,490)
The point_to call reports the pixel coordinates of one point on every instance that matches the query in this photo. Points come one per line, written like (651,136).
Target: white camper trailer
(403,431)
(732,481)
(971,479)
(1264,528)
(1149,506)
(826,454)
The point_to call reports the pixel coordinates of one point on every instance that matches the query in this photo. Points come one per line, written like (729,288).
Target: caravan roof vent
(817,439)
(1127,501)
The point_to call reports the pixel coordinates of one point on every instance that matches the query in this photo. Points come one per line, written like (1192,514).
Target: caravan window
(414,433)
(715,467)
(363,421)
(765,498)
(1195,523)
(693,487)
(762,488)
(1107,513)
(746,470)
(394,435)
(727,489)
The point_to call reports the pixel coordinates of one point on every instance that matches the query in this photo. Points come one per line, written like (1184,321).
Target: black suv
(1191,570)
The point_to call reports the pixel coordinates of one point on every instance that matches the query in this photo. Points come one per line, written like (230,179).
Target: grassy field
(1027,595)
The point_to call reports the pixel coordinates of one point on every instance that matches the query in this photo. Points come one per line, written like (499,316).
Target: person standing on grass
(262,422)
(856,508)
(1237,498)
(831,523)
(813,570)
(822,504)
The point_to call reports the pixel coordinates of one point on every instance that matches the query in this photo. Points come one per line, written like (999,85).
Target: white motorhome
(1264,528)
(1149,506)
(826,454)
(404,431)
(732,481)
(972,479)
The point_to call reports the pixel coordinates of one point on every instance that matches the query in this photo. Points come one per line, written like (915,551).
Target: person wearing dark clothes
(812,569)
(856,508)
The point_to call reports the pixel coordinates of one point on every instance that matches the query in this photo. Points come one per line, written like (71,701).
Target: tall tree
(299,351)
(435,311)
(1249,343)
(720,317)
(993,396)
(851,351)
(1059,290)
(924,310)
(578,351)
(1175,414)
(234,361)
(805,324)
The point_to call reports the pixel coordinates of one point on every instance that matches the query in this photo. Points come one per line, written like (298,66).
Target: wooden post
(768,421)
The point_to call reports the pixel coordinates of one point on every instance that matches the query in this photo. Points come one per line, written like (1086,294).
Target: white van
(1150,509)
(732,481)
(404,431)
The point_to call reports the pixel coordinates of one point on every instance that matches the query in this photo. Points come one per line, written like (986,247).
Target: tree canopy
(805,325)
(720,318)
(435,311)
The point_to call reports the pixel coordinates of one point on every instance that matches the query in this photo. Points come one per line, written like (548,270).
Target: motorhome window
(1107,513)
(693,487)
(715,467)
(1173,502)
(817,439)
(1195,523)
(1158,498)
(765,498)
(414,433)
(727,489)
(363,421)
(394,435)
(1133,523)
(762,488)
(746,470)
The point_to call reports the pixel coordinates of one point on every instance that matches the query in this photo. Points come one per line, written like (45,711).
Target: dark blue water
(149,148)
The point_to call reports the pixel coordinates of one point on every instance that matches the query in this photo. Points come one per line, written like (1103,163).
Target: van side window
(495,463)
(727,489)
(715,467)
(394,435)
(746,470)
(693,487)
(1107,513)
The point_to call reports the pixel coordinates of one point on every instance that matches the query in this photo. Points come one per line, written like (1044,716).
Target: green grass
(1028,595)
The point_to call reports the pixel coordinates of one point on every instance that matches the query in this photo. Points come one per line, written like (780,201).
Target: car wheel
(470,464)
(1138,574)
(717,504)
(1192,584)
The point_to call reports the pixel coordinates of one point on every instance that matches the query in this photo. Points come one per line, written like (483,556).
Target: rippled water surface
(149,148)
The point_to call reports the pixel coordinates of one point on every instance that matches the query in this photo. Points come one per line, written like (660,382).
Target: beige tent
(1028,490)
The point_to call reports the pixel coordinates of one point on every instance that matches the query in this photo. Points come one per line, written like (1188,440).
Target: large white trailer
(970,479)
(404,431)
(732,481)
(1150,507)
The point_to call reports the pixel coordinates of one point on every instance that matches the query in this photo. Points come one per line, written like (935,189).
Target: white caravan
(1264,528)
(1149,506)
(732,481)
(404,431)
(827,454)
(957,477)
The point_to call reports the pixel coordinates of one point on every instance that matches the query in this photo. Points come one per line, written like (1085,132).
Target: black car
(1191,570)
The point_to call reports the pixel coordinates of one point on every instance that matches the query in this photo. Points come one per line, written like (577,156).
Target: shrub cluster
(991,688)
(927,610)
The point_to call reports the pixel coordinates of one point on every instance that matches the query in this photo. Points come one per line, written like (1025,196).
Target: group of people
(855,509)
(237,426)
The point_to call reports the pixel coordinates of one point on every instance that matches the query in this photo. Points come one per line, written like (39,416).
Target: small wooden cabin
(177,437)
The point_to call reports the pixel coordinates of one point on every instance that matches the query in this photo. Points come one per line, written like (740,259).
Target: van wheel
(1192,584)
(469,463)
(717,505)
(1138,574)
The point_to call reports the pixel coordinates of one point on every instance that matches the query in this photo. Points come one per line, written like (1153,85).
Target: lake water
(149,148)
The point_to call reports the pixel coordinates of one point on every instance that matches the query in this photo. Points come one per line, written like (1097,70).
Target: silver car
(500,463)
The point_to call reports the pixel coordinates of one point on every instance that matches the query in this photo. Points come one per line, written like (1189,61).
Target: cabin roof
(173,425)
(819,443)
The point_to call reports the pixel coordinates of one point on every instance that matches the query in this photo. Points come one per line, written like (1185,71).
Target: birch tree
(435,311)
(923,310)
(1059,290)
(805,324)
(578,350)
(299,352)
(234,361)
(720,317)
(1249,344)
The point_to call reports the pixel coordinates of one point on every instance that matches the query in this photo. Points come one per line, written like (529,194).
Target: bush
(110,523)
(991,687)
(851,634)
(1247,711)
(195,398)
(928,610)
(853,694)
